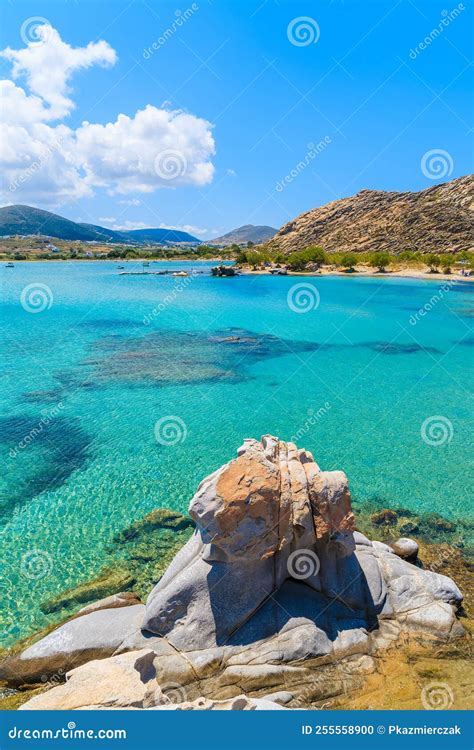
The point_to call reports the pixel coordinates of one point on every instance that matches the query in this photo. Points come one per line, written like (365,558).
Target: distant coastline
(404,272)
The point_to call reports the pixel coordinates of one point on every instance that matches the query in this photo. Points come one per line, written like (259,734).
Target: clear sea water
(86,380)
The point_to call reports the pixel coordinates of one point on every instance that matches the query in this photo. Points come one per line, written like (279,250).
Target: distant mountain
(244,234)
(160,236)
(26,220)
(439,219)
(102,234)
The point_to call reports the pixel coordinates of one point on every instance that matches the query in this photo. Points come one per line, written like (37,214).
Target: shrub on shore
(298,260)
(434,262)
(380,261)
(349,260)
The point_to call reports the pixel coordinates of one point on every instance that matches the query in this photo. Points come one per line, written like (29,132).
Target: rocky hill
(439,219)
(244,234)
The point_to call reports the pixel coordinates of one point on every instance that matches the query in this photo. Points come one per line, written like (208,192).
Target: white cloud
(190,228)
(130,202)
(48,63)
(49,164)
(137,153)
(125,225)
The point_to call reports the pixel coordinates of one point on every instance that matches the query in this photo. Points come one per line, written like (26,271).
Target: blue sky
(356,80)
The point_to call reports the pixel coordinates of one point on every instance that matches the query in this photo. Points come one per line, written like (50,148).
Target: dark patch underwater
(54,452)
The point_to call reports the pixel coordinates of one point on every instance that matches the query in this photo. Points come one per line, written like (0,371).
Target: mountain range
(439,219)
(26,220)
(244,234)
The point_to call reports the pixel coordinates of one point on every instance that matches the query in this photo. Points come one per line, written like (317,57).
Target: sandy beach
(404,272)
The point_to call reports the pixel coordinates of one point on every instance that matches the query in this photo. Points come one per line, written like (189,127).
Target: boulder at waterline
(268,517)
(92,636)
(126,681)
(274,591)
(405,548)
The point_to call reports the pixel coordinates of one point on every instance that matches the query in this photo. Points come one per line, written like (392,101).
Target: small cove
(352,380)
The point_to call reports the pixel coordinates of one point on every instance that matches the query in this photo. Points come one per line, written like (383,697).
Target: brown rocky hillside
(439,219)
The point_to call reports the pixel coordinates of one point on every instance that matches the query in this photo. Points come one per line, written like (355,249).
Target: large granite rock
(268,515)
(275,591)
(268,518)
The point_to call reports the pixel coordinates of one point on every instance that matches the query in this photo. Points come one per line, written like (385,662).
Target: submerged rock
(409,527)
(109,581)
(123,599)
(274,591)
(161,518)
(385,517)
(144,550)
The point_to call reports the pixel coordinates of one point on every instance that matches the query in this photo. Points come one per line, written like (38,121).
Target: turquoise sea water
(86,380)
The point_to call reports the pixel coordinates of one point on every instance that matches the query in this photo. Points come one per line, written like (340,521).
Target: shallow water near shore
(86,380)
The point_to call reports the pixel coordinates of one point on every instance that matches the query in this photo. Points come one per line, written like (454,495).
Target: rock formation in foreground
(439,219)
(275,591)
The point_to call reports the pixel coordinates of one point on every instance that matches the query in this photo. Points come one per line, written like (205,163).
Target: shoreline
(404,273)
